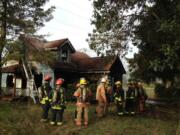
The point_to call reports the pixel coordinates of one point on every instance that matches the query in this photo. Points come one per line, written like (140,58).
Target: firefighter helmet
(118,83)
(83,81)
(103,80)
(59,81)
(47,77)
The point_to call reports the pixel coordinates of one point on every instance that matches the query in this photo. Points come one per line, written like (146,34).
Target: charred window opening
(9,81)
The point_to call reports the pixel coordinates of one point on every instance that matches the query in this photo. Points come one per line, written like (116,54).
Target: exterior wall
(17,89)
(18,81)
(45,69)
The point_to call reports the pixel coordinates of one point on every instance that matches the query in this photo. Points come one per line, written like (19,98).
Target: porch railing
(8,91)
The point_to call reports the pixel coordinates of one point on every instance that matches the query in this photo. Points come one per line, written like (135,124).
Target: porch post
(14,94)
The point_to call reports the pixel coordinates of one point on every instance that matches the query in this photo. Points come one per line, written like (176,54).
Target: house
(70,65)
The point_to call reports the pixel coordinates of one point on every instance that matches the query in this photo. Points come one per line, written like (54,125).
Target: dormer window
(64,56)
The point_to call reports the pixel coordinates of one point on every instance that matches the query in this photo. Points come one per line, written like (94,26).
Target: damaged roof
(85,63)
(42,44)
(11,69)
(80,62)
(55,43)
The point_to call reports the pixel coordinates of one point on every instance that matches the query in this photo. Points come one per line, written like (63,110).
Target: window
(64,56)
(9,81)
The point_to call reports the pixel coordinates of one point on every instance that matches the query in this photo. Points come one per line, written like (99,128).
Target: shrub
(163,92)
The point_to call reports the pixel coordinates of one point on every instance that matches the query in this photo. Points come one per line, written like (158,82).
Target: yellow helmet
(118,83)
(83,81)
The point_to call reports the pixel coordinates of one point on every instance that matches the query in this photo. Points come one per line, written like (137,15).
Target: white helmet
(103,80)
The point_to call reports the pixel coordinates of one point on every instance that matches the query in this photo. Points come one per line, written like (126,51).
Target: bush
(163,92)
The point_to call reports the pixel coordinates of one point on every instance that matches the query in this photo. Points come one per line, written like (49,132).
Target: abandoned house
(70,65)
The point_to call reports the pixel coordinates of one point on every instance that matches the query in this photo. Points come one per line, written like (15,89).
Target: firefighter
(83,95)
(101,98)
(44,96)
(130,99)
(142,96)
(136,87)
(58,103)
(108,91)
(119,97)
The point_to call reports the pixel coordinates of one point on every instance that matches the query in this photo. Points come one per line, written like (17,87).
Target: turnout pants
(119,106)
(82,112)
(101,109)
(45,110)
(130,106)
(75,114)
(57,115)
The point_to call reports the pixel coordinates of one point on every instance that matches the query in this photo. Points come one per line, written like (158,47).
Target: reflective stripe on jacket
(45,100)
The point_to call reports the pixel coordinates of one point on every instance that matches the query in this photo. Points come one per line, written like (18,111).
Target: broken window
(9,81)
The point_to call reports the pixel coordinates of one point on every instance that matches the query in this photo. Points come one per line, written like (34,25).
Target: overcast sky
(71,20)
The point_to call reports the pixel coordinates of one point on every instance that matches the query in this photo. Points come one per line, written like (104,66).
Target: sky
(72,20)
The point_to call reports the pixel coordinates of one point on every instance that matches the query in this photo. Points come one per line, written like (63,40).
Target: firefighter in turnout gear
(108,90)
(101,98)
(119,97)
(58,103)
(142,96)
(130,99)
(44,96)
(83,95)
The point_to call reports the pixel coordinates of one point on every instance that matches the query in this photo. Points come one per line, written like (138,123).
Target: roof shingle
(56,43)
(41,44)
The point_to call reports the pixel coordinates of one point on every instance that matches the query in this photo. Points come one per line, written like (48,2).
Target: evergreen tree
(158,39)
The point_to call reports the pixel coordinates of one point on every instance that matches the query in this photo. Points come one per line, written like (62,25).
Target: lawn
(24,119)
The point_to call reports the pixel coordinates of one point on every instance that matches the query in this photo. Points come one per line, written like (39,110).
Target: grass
(24,119)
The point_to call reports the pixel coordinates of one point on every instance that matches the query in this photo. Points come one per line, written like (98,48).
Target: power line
(55,28)
(74,4)
(68,11)
(71,25)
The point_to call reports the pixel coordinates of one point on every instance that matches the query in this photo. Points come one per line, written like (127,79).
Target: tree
(107,35)
(113,21)
(151,25)
(158,39)
(20,16)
